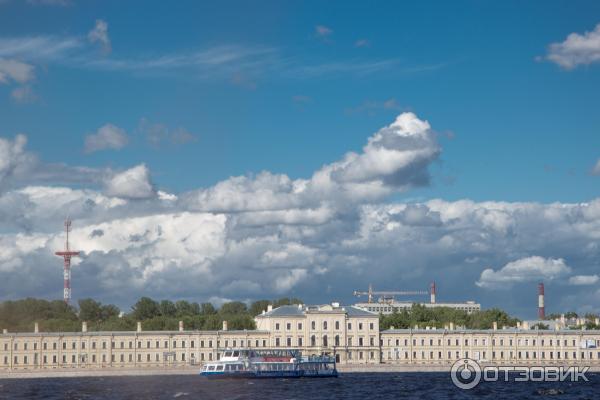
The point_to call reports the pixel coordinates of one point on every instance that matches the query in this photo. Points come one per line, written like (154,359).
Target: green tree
(89,310)
(233,307)
(258,307)
(185,308)
(167,308)
(109,311)
(145,308)
(207,309)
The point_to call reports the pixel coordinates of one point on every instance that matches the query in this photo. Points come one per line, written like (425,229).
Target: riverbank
(106,372)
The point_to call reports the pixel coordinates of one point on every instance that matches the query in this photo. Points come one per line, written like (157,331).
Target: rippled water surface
(347,386)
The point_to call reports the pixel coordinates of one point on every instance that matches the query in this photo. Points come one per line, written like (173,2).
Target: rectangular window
(139,358)
(299,326)
(277,326)
(94,345)
(83,345)
(360,326)
(94,358)
(299,342)
(192,344)
(349,326)
(371,326)
(53,359)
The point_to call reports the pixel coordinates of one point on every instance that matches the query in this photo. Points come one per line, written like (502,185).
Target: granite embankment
(84,372)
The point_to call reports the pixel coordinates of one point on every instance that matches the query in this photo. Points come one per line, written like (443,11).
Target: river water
(370,386)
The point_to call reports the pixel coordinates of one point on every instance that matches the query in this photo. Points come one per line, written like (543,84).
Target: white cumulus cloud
(99,34)
(108,136)
(596,168)
(133,183)
(584,280)
(16,71)
(577,49)
(524,270)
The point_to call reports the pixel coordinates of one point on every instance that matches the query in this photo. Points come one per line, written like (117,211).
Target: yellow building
(497,346)
(349,333)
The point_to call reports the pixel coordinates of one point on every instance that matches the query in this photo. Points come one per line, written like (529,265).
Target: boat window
(219,368)
(211,367)
(227,354)
(236,353)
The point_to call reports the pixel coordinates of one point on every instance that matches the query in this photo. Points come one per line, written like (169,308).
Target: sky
(237,150)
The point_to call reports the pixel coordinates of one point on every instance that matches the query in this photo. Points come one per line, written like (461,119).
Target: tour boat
(278,363)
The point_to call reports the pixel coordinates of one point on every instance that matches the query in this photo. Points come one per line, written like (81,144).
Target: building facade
(498,346)
(349,333)
(399,306)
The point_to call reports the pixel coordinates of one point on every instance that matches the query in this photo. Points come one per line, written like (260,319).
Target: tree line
(441,316)
(56,316)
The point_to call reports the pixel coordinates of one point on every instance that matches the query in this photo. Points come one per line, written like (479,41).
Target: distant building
(389,307)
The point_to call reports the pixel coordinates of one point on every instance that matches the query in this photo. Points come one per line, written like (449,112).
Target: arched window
(313,340)
(337,340)
(324,340)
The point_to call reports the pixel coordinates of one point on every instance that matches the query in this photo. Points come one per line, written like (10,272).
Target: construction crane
(388,296)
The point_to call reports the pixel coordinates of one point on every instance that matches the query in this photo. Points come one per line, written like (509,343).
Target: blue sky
(200,92)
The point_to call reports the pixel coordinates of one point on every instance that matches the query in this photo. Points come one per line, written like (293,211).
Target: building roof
(300,310)
(486,331)
(132,333)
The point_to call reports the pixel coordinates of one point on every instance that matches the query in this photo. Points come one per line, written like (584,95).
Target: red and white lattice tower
(66,255)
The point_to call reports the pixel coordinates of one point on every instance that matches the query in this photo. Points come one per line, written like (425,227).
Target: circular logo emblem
(465,373)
